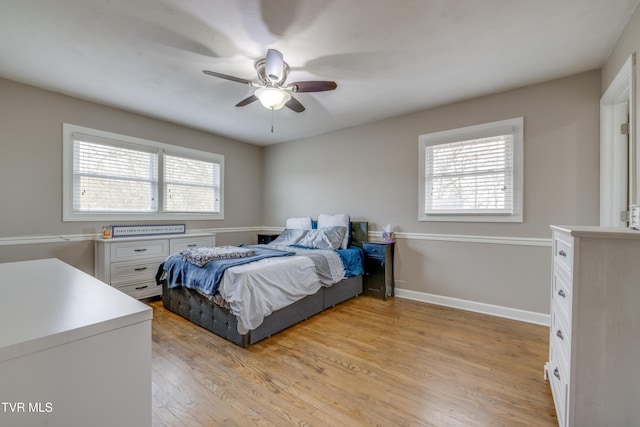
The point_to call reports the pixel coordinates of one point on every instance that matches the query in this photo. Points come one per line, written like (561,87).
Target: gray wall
(31,170)
(628,43)
(368,171)
(371,172)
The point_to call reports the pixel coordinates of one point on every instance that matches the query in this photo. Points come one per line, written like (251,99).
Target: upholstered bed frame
(200,310)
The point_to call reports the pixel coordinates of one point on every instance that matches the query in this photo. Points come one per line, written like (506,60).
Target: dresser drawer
(558,378)
(124,251)
(131,263)
(177,245)
(560,332)
(561,291)
(134,272)
(563,252)
(140,290)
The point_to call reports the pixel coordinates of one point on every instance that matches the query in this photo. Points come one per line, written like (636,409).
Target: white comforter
(255,290)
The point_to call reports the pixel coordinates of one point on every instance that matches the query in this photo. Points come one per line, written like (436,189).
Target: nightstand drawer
(375,250)
(177,245)
(124,251)
(126,272)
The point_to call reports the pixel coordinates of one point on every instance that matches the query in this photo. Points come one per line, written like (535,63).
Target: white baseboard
(478,307)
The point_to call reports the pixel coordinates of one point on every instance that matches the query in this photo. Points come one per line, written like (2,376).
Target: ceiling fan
(272,91)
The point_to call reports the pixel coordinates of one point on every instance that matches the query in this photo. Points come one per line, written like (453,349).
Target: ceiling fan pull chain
(272,113)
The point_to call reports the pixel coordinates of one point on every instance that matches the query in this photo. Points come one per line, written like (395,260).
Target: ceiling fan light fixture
(272,92)
(272,98)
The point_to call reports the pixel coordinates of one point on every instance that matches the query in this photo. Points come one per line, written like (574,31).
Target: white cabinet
(594,340)
(73,351)
(131,263)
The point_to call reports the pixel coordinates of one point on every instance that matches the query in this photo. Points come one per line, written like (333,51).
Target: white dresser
(73,351)
(131,263)
(594,342)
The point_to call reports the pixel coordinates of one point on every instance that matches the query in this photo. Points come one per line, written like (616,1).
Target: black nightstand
(263,239)
(378,269)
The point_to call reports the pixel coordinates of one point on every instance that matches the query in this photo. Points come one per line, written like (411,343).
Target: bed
(213,313)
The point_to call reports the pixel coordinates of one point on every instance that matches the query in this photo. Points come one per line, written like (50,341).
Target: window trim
(68,214)
(516,125)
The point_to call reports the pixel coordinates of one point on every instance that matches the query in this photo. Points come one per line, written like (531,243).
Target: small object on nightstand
(378,269)
(387,234)
(263,239)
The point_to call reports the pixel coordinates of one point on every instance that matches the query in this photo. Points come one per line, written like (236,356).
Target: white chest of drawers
(131,263)
(594,341)
(73,351)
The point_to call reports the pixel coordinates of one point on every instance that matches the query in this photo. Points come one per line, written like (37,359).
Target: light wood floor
(364,362)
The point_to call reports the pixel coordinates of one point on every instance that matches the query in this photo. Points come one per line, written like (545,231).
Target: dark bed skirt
(199,310)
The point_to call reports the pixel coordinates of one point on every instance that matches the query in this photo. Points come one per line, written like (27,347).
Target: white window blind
(191,185)
(474,176)
(112,178)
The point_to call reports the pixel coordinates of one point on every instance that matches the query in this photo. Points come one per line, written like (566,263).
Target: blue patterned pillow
(290,236)
(324,238)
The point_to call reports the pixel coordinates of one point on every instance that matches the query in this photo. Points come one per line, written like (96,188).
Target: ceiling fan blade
(295,105)
(274,65)
(314,86)
(227,77)
(247,101)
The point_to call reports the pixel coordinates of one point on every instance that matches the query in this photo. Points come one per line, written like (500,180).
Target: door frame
(618,175)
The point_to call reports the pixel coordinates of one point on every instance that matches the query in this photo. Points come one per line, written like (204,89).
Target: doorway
(617,148)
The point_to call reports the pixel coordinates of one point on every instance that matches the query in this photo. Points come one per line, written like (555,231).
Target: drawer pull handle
(193,245)
(559,334)
(562,253)
(556,373)
(561,293)
(140,269)
(142,287)
(140,250)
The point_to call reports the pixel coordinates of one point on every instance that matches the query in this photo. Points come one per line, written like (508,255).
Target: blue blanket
(353,261)
(207,279)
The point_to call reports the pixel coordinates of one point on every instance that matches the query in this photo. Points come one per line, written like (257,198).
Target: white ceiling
(388,57)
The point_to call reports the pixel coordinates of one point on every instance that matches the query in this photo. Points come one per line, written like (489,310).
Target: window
(191,185)
(472,174)
(109,177)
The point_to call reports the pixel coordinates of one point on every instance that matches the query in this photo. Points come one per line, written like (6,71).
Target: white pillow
(300,223)
(340,220)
